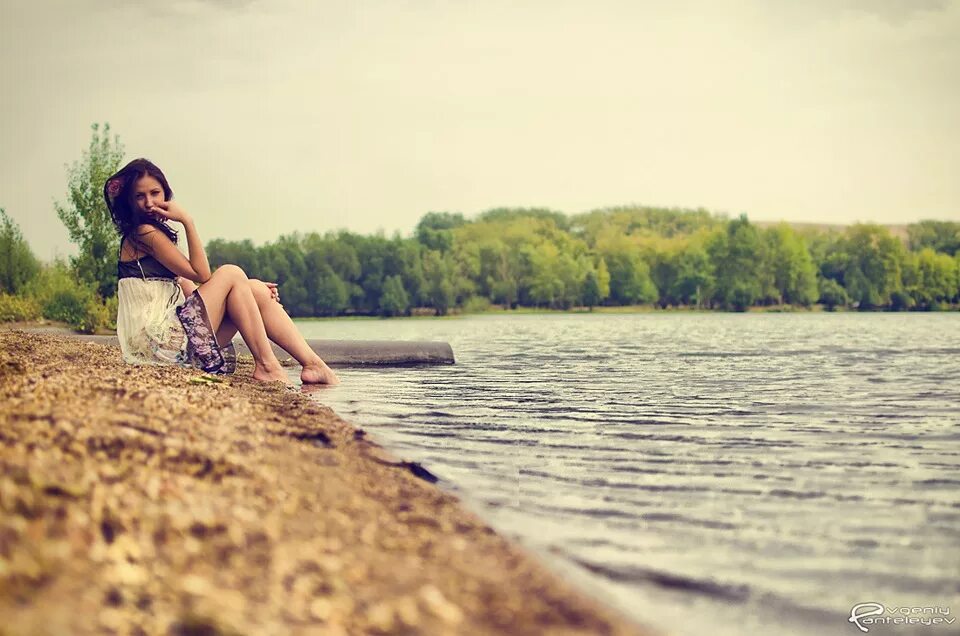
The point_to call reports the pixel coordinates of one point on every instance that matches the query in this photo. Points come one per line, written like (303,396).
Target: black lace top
(146,267)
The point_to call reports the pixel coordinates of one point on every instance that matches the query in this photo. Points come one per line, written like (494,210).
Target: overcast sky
(271,117)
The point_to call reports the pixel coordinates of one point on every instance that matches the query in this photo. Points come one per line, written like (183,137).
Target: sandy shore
(142,500)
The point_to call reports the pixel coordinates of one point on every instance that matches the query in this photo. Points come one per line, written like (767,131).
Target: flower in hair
(113,188)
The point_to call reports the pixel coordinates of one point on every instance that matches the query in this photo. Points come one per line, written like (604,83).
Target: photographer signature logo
(868,614)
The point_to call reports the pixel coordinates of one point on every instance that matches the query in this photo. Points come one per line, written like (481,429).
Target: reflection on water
(703,472)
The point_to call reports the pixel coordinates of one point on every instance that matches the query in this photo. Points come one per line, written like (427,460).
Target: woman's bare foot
(318,373)
(270,373)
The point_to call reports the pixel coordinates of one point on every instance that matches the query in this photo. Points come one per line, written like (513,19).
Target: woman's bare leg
(226,331)
(281,330)
(227,294)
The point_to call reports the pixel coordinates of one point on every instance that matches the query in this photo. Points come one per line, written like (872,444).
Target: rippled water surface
(705,473)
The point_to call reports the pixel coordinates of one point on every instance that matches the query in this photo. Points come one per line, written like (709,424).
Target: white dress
(147,324)
(157,325)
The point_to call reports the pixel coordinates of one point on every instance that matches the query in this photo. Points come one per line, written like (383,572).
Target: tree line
(510,257)
(622,256)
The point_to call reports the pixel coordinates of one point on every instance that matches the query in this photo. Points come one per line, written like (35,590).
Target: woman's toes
(320,374)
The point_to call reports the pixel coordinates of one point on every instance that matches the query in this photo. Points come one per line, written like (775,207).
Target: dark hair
(119,195)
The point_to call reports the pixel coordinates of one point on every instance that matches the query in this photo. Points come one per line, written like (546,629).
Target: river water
(703,473)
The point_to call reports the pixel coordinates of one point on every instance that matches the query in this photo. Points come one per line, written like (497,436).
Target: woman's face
(147,193)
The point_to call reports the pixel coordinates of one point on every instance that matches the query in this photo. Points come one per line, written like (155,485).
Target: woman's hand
(274,292)
(169,211)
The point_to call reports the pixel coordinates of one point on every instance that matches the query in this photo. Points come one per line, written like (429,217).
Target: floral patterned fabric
(202,350)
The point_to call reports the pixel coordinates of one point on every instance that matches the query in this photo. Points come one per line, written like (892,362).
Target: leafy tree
(295,298)
(86,215)
(694,278)
(511,215)
(832,294)
(872,267)
(546,287)
(956,270)
(662,257)
(18,265)
(434,231)
(640,220)
(327,291)
(794,274)
(340,255)
(283,263)
(438,274)
(930,278)
(737,256)
(394,301)
(406,261)
(242,253)
(603,279)
(630,280)
(591,290)
(940,236)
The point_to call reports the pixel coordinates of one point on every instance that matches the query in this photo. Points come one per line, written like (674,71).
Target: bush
(832,294)
(96,315)
(740,296)
(17,263)
(81,309)
(51,280)
(901,301)
(59,296)
(476,305)
(68,305)
(110,313)
(18,309)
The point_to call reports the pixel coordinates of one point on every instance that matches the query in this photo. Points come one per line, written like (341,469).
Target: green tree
(435,230)
(295,298)
(956,271)
(737,256)
(507,216)
(832,294)
(327,292)
(940,236)
(794,274)
(241,253)
(596,284)
(872,267)
(339,254)
(591,290)
(18,265)
(694,279)
(371,252)
(603,279)
(630,280)
(404,259)
(282,262)
(394,301)
(439,291)
(546,286)
(86,216)
(930,278)
(637,221)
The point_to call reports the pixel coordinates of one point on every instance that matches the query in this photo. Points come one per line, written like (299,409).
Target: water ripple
(773,470)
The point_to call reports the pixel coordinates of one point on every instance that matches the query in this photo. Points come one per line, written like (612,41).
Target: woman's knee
(233,272)
(260,290)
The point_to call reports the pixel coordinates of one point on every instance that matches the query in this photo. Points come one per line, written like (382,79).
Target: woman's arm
(195,269)
(198,256)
